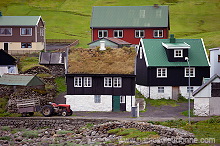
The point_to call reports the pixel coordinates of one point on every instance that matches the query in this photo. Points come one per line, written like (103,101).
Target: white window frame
(87,81)
(139,33)
(97,98)
(157,33)
(77,81)
(178,53)
(118,33)
(160,89)
(117,82)
(21,30)
(103,33)
(10,30)
(186,72)
(122,99)
(161,72)
(41,31)
(191,89)
(107,81)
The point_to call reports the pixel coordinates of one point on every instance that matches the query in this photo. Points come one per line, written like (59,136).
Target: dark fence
(60,40)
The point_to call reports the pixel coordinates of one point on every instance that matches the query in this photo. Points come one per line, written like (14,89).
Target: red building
(130,23)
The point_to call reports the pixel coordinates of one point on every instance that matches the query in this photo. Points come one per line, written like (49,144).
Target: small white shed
(207,98)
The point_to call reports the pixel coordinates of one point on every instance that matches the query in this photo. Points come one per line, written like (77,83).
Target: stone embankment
(83,131)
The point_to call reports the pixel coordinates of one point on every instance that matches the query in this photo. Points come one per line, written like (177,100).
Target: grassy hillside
(70,19)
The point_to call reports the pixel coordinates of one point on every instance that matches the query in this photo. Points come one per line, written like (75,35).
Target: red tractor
(56,109)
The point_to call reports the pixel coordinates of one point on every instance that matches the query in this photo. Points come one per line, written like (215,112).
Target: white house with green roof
(22,34)
(162,70)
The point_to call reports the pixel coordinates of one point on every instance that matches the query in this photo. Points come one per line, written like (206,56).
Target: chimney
(156,6)
(102,46)
(0,13)
(172,38)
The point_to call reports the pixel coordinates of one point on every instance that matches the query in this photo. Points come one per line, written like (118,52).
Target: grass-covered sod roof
(93,61)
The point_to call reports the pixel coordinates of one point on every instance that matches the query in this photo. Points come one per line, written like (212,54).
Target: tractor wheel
(70,113)
(47,110)
(24,114)
(64,113)
(31,113)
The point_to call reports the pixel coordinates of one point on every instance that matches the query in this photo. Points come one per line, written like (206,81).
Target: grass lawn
(203,130)
(70,19)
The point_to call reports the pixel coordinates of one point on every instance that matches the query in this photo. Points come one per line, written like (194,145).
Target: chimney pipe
(172,38)
(102,46)
(156,6)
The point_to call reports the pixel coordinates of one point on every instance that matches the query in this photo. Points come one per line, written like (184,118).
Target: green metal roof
(130,16)
(20,80)
(19,20)
(156,53)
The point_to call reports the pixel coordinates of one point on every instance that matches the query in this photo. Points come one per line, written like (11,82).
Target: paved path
(162,113)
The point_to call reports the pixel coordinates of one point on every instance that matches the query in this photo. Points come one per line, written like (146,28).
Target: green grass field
(70,19)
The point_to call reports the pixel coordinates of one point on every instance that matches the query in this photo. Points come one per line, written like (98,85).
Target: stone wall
(85,134)
(56,69)
(52,122)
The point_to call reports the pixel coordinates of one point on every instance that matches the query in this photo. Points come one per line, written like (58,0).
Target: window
(77,81)
(118,33)
(97,98)
(158,33)
(26,31)
(6,31)
(178,53)
(26,45)
(117,81)
(107,82)
(189,89)
(190,72)
(122,99)
(102,33)
(160,89)
(87,81)
(161,72)
(41,31)
(139,33)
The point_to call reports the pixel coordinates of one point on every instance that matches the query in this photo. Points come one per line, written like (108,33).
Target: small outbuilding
(54,61)
(207,98)
(21,80)
(110,42)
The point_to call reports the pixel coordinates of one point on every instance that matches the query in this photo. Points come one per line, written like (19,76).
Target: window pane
(115,33)
(105,34)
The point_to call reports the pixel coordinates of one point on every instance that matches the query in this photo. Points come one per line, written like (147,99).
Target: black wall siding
(170,55)
(128,85)
(141,70)
(175,77)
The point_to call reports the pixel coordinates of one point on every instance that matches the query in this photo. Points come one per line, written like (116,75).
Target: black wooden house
(162,69)
(100,89)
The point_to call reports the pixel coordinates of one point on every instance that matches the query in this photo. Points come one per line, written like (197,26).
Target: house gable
(6,59)
(205,90)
